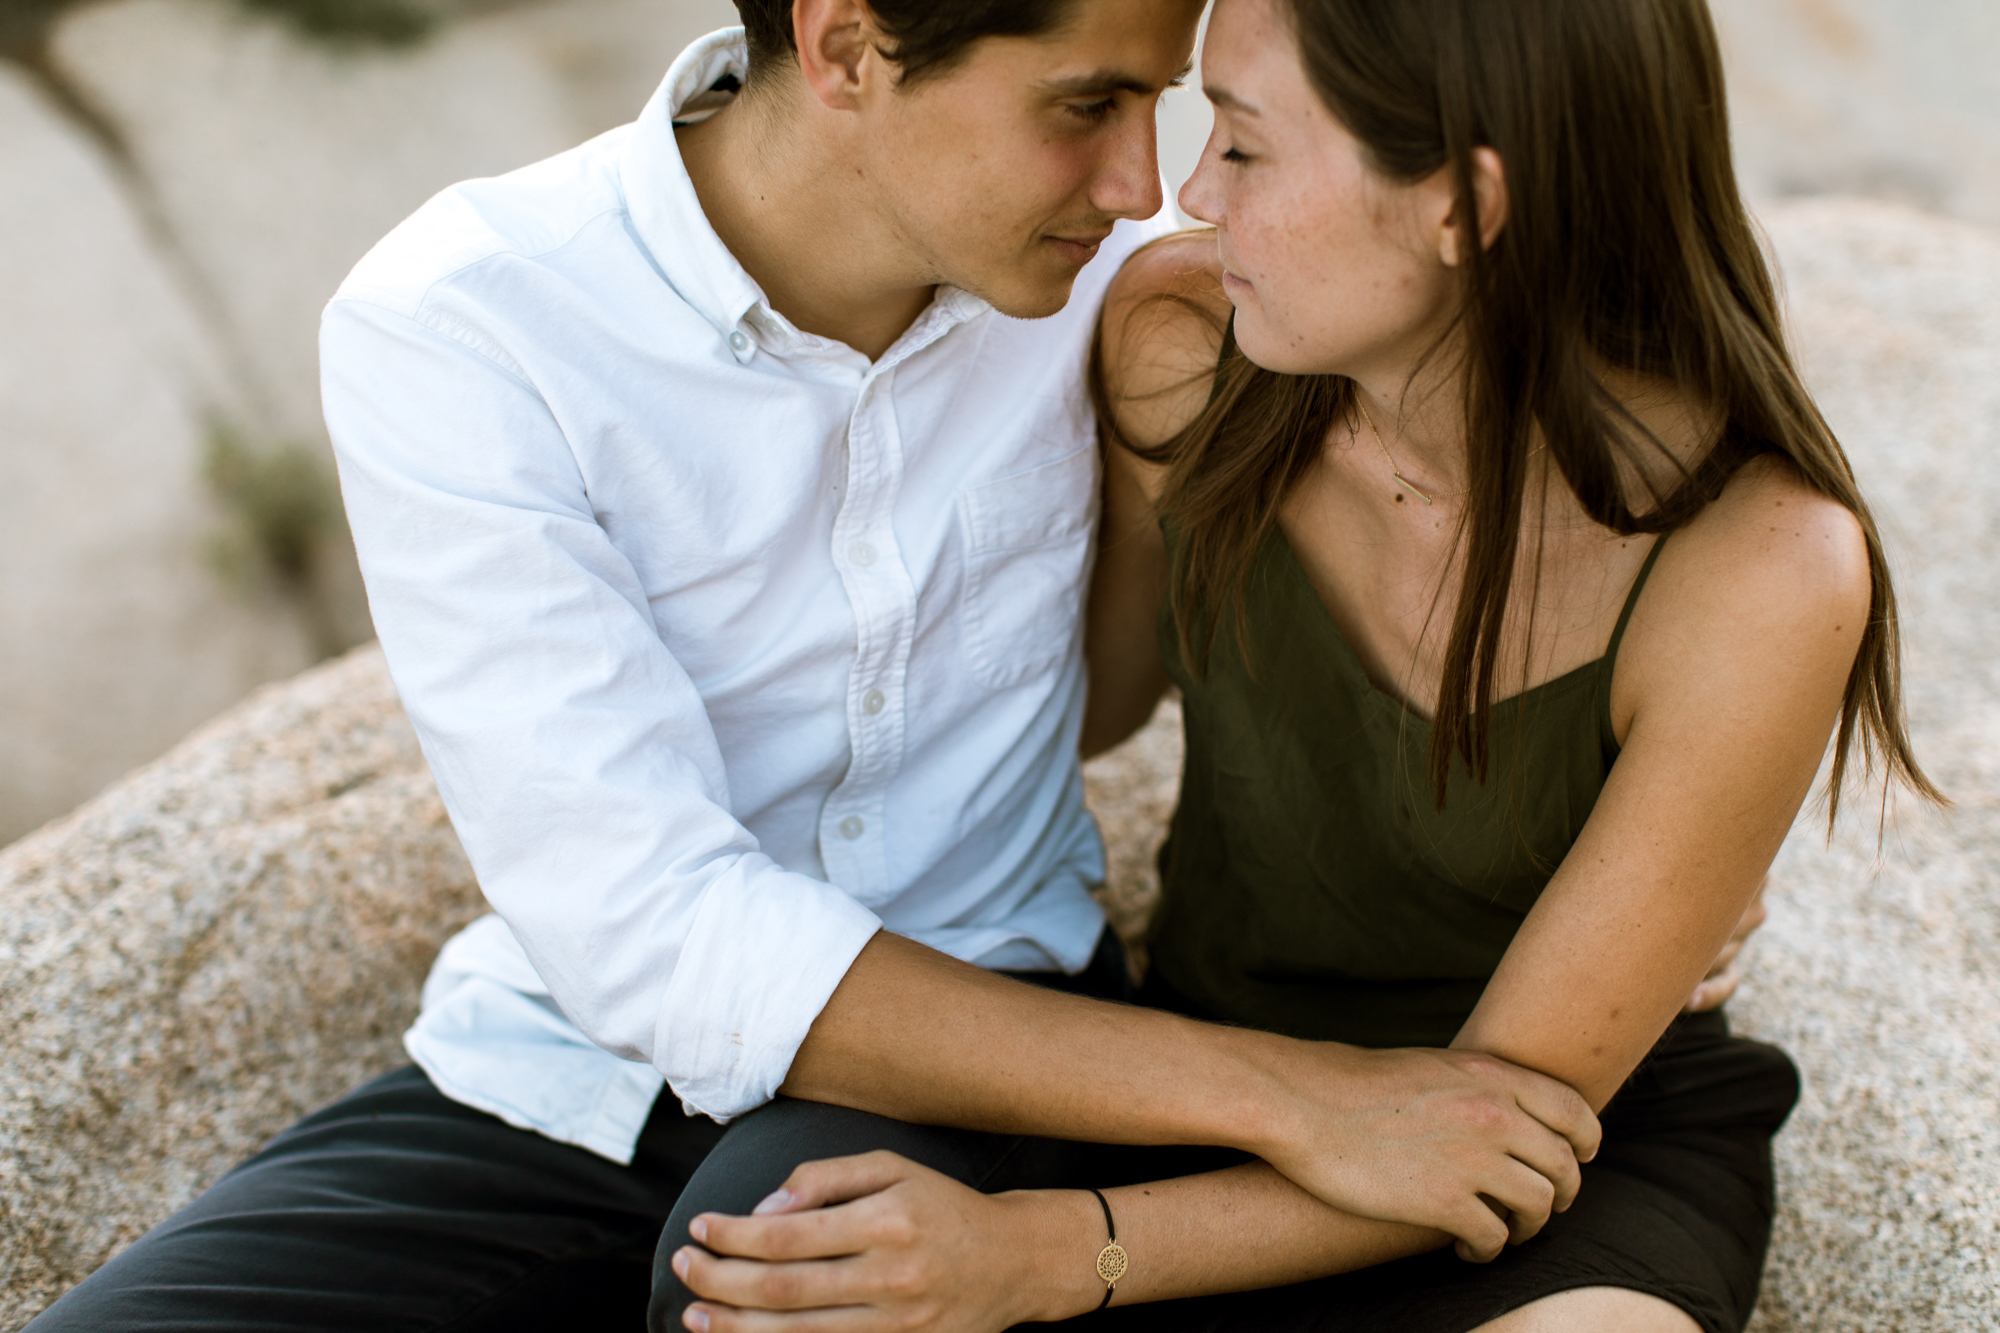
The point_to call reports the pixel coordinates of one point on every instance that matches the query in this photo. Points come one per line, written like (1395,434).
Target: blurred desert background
(184,182)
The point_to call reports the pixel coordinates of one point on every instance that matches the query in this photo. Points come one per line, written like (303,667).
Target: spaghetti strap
(1632,599)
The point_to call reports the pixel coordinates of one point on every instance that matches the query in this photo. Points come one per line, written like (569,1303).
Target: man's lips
(1079,249)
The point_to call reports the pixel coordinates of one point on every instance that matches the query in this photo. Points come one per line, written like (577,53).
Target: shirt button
(852,827)
(739,340)
(872,702)
(861,553)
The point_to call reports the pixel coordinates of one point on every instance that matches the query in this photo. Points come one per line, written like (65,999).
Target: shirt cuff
(496,1050)
(764,956)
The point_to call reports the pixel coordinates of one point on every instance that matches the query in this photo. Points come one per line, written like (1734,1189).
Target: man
(725,492)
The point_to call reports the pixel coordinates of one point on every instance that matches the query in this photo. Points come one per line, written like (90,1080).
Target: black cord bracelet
(1112,1260)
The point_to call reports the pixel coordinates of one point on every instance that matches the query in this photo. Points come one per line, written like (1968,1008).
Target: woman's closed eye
(1091,111)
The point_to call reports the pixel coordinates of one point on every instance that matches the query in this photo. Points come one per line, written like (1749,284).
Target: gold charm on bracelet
(1112,1263)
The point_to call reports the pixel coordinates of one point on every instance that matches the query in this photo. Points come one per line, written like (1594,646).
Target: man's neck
(776,180)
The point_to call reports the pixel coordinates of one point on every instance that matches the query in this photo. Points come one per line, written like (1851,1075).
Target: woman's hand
(1455,1140)
(1723,978)
(877,1242)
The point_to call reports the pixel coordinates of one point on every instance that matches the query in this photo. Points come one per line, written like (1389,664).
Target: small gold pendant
(1111,1263)
(1404,482)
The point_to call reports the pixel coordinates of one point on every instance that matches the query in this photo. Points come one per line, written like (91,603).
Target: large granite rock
(1880,970)
(1890,99)
(219,943)
(237,933)
(279,162)
(117,639)
(143,306)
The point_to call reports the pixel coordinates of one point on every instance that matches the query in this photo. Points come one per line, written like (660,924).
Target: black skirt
(1678,1205)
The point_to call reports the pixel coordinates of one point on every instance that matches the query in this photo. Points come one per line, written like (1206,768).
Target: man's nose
(1128,184)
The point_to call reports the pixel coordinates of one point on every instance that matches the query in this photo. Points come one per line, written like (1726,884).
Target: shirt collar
(667,215)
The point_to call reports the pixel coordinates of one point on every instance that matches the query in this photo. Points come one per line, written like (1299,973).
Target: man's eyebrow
(1101,81)
(1222,97)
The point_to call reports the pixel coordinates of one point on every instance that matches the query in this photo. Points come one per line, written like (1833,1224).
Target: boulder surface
(219,943)
(237,932)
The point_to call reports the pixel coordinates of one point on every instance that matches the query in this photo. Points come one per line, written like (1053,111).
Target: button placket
(883,600)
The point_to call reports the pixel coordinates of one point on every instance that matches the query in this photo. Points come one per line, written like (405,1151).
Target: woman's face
(1333,269)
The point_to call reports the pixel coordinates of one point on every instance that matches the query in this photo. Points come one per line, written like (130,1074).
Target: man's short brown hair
(928,36)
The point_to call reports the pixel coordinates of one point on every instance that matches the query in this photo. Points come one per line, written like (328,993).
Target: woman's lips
(1232,283)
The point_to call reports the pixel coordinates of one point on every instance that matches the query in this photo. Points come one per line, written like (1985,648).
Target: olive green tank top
(1309,883)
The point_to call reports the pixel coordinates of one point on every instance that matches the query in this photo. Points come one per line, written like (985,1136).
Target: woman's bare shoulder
(1771,576)
(1161,332)
(1777,535)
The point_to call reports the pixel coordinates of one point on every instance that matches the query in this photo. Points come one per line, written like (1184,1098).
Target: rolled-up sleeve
(572,750)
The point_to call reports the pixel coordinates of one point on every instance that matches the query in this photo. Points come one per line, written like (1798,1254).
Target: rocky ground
(221,942)
(237,932)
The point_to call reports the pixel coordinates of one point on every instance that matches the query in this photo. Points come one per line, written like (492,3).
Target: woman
(1514,587)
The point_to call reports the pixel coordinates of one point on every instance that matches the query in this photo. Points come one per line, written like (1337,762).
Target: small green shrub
(352,22)
(282,500)
(24,24)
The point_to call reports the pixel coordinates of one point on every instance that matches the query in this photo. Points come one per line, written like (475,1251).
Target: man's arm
(1412,1136)
(574,753)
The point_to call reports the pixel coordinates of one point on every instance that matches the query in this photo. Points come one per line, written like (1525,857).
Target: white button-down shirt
(727,646)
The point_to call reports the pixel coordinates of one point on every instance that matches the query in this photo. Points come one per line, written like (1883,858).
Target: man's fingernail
(775,1201)
(699,1229)
(681,1261)
(696,1318)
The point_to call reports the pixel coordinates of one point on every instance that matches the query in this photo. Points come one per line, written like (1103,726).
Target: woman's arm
(1157,346)
(1728,685)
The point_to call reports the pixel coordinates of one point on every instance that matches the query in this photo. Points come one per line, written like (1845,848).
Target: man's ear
(840,52)
(1489,190)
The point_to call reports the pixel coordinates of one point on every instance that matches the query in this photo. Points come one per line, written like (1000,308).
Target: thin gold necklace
(1395,471)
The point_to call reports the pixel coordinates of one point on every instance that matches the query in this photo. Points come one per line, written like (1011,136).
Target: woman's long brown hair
(1626,244)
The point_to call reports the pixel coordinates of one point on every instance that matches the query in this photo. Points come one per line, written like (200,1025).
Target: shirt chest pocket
(1027,551)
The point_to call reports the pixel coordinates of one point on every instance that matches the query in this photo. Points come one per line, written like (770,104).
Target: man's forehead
(1111,79)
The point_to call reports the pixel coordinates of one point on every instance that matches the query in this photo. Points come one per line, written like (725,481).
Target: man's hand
(1452,1140)
(1723,978)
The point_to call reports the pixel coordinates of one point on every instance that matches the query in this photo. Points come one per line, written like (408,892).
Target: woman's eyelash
(1235,155)
(1093,110)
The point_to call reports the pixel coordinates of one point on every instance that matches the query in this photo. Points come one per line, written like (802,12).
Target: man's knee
(764,1147)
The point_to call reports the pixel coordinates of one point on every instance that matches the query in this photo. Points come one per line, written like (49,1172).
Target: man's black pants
(398,1209)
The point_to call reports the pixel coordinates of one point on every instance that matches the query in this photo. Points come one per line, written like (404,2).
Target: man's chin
(1029,299)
